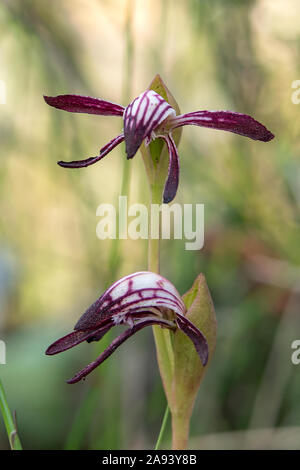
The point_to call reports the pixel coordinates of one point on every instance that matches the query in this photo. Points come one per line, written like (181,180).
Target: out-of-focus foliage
(240,55)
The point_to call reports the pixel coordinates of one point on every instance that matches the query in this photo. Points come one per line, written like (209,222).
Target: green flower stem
(164,346)
(14,441)
(180,431)
(162,336)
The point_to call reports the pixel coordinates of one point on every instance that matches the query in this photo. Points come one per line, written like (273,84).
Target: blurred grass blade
(14,440)
(162,429)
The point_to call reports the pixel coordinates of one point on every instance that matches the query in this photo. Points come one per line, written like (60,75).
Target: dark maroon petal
(171,184)
(141,117)
(90,161)
(227,121)
(76,337)
(91,318)
(115,344)
(100,332)
(195,335)
(84,104)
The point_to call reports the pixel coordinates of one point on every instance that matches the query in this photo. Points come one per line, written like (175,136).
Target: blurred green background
(212,54)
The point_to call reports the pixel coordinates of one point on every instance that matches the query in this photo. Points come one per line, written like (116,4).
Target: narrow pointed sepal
(172,181)
(91,160)
(195,336)
(77,337)
(115,344)
(141,117)
(84,104)
(230,121)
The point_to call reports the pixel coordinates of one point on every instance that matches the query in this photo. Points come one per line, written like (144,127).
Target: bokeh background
(213,54)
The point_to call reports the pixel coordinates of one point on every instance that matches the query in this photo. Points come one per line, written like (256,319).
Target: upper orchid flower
(138,300)
(149,117)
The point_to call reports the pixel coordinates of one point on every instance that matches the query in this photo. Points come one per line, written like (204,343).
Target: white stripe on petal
(138,292)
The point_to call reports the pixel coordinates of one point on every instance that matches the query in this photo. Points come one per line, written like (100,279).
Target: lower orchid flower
(150,117)
(138,300)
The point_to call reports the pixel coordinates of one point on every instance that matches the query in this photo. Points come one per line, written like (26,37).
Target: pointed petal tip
(157,76)
(76,163)
(54,349)
(205,356)
(48,351)
(197,337)
(260,132)
(167,199)
(132,145)
(63,164)
(91,160)
(171,184)
(60,345)
(170,192)
(51,100)
(203,351)
(268,136)
(75,379)
(131,154)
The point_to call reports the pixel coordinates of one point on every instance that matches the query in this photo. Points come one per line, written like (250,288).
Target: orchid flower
(150,117)
(138,300)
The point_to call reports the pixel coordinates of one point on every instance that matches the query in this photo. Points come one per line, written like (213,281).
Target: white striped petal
(137,292)
(142,117)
